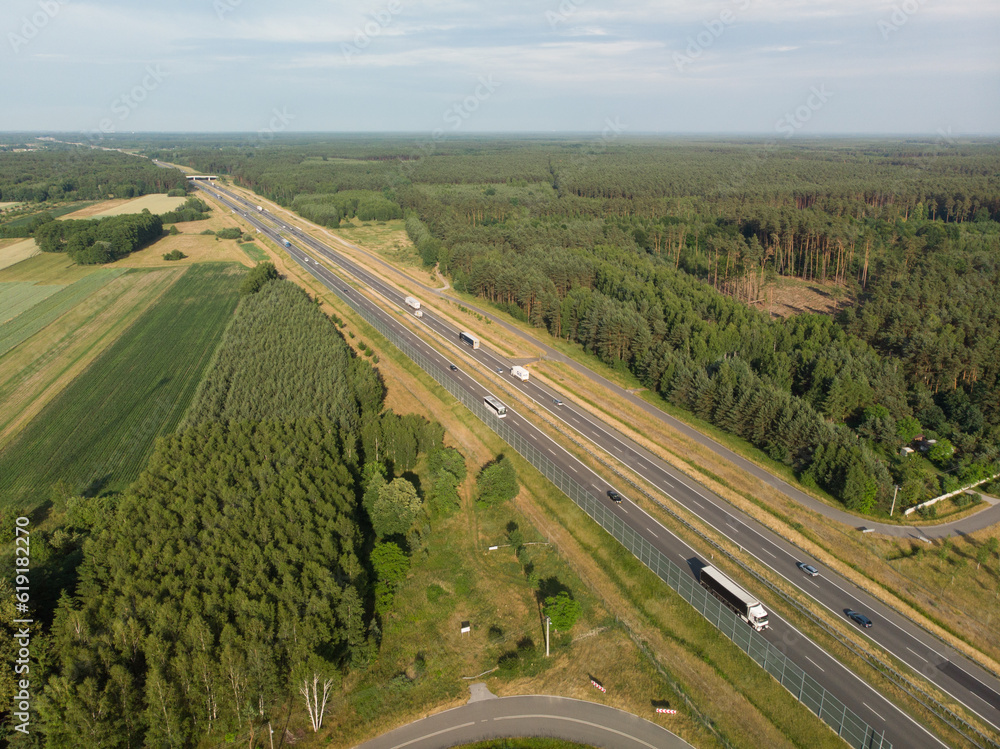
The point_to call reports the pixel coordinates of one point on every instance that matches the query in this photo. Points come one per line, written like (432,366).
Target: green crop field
(97,435)
(254,252)
(15,298)
(47,268)
(25,325)
(56,212)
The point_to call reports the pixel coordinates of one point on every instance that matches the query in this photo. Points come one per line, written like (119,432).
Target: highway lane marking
(652,534)
(572,468)
(696,502)
(532,435)
(431,735)
(576,720)
(917,654)
(769,553)
(814,663)
(870,708)
(551,450)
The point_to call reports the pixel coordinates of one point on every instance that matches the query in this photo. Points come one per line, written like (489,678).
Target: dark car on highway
(452,367)
(615,496)
(861,619)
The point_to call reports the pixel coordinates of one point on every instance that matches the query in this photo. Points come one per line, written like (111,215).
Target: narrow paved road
(489,717)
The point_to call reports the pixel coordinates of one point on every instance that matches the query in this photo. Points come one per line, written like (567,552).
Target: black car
(861,619)
(452,367)
(615,496)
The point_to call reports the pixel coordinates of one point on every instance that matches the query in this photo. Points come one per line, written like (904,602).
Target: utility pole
(896,489)
(547,621)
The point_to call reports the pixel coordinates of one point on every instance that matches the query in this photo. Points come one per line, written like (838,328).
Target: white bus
(469,339)
(496,405)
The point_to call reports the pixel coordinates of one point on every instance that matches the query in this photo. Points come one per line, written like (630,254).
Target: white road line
(436,733)
(572,468)
(814,663)
(696,502)
(870,708)
(769,553)
(652,534)
(917,654)
(551,450)
(575,720)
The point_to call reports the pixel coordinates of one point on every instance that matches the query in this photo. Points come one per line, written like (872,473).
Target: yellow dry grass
(22,249)
(35,372)
(198,248)
(157,203)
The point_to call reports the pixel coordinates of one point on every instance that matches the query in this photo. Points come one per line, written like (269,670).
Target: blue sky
(802,67)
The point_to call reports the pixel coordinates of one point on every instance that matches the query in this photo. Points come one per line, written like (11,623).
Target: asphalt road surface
(586,723)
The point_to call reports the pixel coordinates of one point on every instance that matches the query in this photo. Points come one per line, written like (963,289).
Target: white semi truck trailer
(520,373)
(746,606)
(415,304)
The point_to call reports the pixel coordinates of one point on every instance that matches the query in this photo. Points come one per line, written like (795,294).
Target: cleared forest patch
(785,297)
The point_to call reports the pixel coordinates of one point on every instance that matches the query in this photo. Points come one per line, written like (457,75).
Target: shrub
(174,255)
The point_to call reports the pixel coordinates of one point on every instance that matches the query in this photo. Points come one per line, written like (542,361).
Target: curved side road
(489,717)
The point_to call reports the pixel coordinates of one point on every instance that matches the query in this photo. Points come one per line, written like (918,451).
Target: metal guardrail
(844,722)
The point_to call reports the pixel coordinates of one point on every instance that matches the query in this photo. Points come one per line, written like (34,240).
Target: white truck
(520,373)
(260,209)
(746,606)
(415,304)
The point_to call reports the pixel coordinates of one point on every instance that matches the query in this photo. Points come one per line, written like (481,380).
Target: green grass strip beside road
(254,252)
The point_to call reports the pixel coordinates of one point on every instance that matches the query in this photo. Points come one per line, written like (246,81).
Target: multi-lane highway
(927,655)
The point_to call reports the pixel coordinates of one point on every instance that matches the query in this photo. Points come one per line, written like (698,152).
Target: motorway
(949,670)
